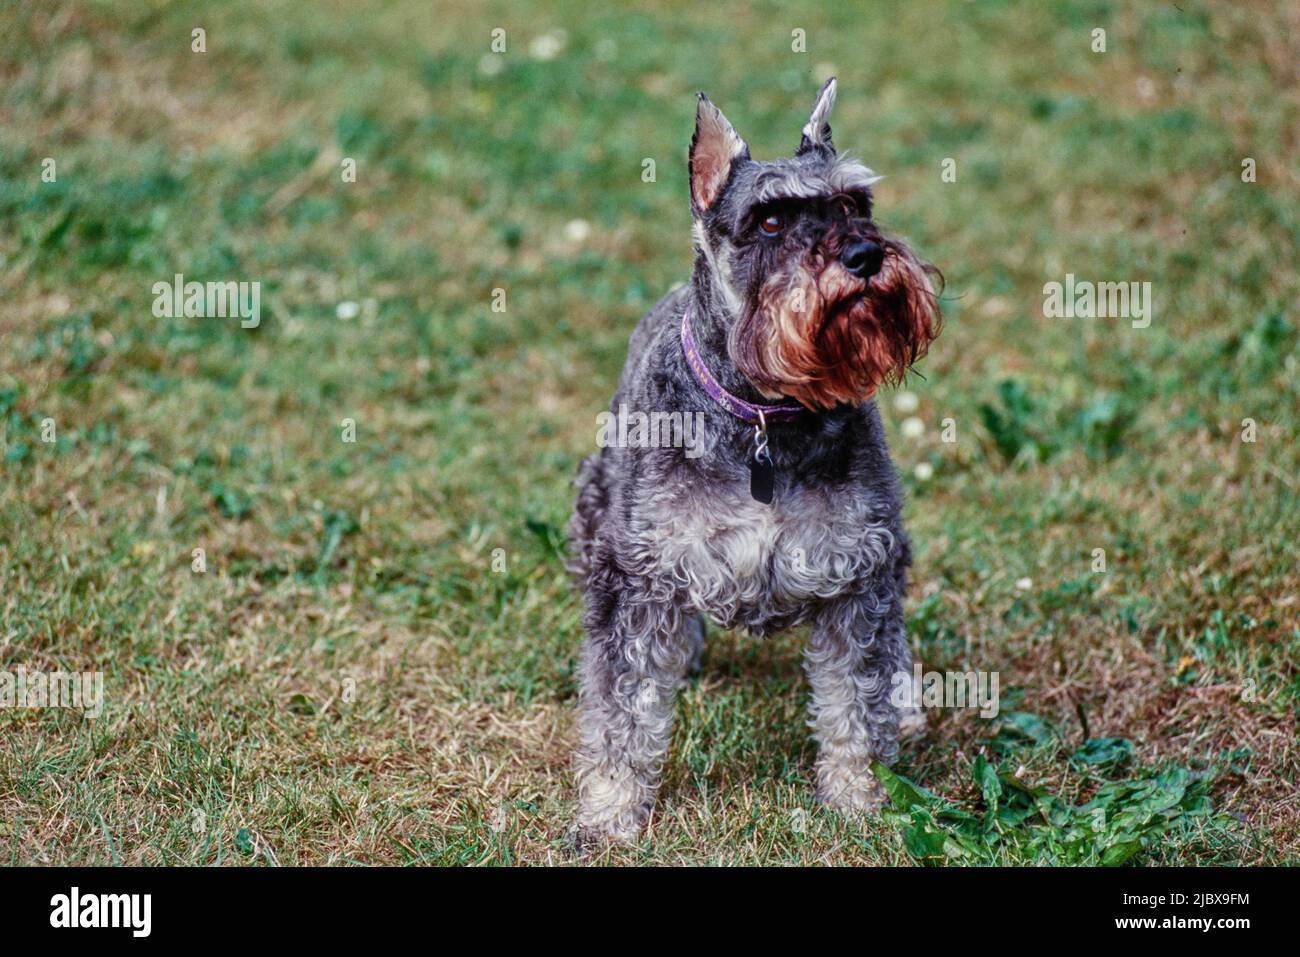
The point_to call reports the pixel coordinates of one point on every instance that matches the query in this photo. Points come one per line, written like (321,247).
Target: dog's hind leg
(635,657)
(911,720)
(856,649)
(588,513)
(695,632)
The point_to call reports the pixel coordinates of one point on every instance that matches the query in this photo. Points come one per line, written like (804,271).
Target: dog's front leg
(856,648)
(635,657)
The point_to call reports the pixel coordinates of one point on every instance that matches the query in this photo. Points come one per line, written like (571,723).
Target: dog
(799,309)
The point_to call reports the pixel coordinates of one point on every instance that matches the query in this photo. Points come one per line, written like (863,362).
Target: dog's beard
(822,336)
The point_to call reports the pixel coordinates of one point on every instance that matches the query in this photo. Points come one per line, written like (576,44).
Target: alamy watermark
(946,689)
(651,430)
(75,909)
(1098,300)
(77,690)
(209,300)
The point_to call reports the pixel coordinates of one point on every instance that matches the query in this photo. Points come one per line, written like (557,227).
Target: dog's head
(823,307)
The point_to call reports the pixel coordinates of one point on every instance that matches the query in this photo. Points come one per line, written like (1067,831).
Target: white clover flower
(577,230)
(912,427)
(906,402)
(548,46)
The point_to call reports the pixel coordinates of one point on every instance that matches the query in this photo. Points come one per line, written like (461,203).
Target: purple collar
(747,412)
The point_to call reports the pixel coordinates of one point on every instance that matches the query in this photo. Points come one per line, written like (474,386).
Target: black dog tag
(762,477)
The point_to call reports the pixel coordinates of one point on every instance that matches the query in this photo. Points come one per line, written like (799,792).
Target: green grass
(353,680)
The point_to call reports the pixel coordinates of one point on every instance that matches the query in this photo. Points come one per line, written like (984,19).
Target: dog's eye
(772,225)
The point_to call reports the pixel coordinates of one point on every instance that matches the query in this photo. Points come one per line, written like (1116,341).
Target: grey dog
(798,310)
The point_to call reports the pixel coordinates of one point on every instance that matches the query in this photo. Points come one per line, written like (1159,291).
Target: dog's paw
(858,796)
(911,723)
(589,840)
(611,808)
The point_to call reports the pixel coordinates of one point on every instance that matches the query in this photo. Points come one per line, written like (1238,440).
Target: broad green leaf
(902,792)
(1023,725)
(1104,752)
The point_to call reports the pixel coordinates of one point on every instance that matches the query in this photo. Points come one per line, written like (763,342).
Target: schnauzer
(798,310)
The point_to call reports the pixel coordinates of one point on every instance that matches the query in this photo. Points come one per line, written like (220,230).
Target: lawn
(372,657)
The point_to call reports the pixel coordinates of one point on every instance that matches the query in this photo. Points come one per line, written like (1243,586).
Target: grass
(377,665)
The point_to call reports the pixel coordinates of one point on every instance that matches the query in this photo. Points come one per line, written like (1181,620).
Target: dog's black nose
(863,259)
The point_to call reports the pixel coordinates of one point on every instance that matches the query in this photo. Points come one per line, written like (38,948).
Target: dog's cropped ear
(817,131)
(715,148)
